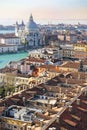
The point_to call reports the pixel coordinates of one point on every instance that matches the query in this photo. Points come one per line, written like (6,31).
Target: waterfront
(6,58)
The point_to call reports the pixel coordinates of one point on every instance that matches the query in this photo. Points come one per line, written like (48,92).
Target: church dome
(31,24)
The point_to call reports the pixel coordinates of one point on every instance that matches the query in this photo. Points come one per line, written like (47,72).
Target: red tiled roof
(69,64)
(74,120)
(35,60)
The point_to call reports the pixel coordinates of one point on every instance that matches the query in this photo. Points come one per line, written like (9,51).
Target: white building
(10,39)
(61,37)
(29,34)
(8,48)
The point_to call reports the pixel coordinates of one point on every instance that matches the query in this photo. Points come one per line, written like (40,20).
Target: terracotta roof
(51,67)
(7,70)
(69,64)
(74,120)
(35,60)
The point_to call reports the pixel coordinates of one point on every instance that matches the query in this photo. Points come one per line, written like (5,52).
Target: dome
(31,24)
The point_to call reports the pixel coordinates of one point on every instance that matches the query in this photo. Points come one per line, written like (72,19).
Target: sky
(43,11)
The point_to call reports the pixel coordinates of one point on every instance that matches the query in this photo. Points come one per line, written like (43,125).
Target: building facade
(68,53)
(7,48)
(80,47)
(71,38)
(29,33)
(80,51)
(8,39)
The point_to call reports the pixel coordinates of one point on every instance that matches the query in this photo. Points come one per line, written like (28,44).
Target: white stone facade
(7,48)
(10,40)
(29,33)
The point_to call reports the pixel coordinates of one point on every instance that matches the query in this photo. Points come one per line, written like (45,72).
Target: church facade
(29,33)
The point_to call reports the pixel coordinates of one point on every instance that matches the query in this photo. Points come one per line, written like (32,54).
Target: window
(15,126)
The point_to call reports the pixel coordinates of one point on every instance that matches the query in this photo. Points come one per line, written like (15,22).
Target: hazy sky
(44,11)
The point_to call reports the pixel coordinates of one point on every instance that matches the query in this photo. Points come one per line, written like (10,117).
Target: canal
(6,58)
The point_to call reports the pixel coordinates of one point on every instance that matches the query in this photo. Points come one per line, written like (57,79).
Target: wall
(8,48)
(10,41)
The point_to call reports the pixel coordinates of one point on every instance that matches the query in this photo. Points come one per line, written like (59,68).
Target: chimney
(70,108)
(85,93)
(60,90)
(58,118)
(66,81)
(41,123)
(11,93)
(85,78)
(77,90)
(16,90)
(78,101)
(29,127)
(54,128)
(19,88)
(50,128)
(23,99)
(23,87)
(78,76)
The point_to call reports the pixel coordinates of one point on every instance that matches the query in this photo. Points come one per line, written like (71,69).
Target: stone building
(29,33)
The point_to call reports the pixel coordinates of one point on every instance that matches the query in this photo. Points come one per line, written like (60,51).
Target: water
(6,58)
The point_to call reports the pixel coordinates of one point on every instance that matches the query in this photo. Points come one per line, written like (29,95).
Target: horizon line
(43,21)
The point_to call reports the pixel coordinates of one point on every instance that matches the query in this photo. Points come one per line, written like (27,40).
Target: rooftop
(72,64)
(22,113)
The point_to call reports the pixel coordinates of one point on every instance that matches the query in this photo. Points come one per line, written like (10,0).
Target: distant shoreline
(6,31)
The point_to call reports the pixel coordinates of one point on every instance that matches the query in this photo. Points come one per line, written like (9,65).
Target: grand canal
(6,58)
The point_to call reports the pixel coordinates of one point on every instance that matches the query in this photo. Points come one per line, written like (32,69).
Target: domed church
(31,25)
(29,33)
